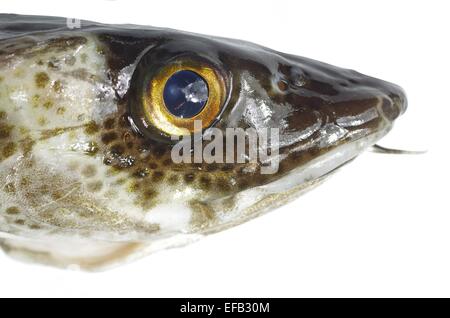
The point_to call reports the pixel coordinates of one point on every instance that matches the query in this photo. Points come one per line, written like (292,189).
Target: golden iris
(160,116)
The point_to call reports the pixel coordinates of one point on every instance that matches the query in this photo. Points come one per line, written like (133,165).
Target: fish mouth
(340,125)
(391,103)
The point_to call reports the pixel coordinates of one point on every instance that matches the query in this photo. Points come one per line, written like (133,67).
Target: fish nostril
(394,106)
(395,103)
(389,109)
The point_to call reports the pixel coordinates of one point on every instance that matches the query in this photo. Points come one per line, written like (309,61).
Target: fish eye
(182,92)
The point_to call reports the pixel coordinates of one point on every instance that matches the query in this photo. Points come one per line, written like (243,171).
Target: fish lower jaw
(257,201)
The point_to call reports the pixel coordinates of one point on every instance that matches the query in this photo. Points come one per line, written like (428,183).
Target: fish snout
(395,102)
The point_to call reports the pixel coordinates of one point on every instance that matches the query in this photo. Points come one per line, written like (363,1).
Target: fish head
(96,148)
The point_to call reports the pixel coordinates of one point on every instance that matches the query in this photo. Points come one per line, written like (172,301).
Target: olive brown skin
(123,170)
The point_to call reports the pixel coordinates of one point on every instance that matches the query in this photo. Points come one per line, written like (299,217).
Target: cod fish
(90,116)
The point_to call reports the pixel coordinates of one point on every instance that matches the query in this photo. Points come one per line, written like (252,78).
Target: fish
(101,125)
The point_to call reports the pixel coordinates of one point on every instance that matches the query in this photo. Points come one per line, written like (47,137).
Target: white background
(379,227)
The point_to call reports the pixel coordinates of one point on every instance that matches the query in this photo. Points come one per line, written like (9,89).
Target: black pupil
(185,94)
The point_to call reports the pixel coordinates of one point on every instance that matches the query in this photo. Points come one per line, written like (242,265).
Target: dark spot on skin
(61,110)
(9,149)
(117,150)
(57,86)
(92,149)
(120,181)
(48,104)
(89,171)
(10,188)
(91,128)
(42,121)
(5,130)
(109,137)
(95,186)
(56,195)
(141,173)
(107,161)
(24,182)
(12,210)
(158,152)
(144,146)
(41,79)
(153,166)
(222,184)
(100,50)
(47,214)
(189,178)
(126,162)
(44,189)
(54,64)
(134,186)
(35,100)
(19,222)
(172,179)
(2,115)
(353,81)
(34,227)
(150,194)
(109,123)
(157,176)
(205,182)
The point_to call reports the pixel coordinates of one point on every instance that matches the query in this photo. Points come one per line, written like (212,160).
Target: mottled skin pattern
(78,164)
